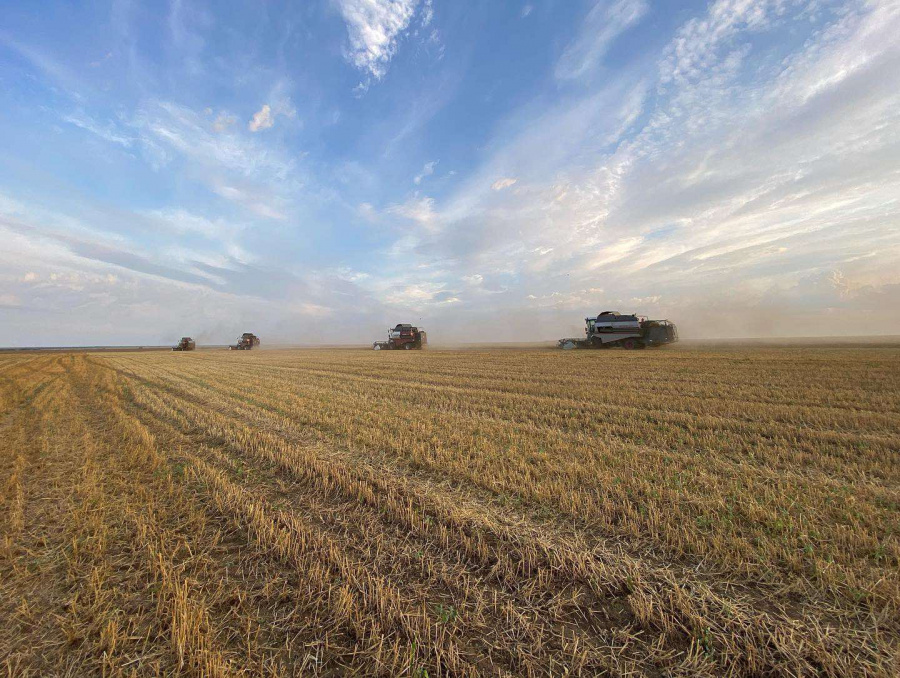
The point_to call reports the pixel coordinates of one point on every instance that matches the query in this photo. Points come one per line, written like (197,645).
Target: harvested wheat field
(451,513)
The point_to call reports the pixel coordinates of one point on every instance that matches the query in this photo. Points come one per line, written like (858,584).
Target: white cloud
(415,295)
(505,182)
(420,210)
(374,28)
(427,13)
(693,51)
(526,10)
(427,171)
(262,119)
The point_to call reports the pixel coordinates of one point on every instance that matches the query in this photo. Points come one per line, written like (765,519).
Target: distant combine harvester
(186,344)
(611,328)
(403,337)
(245,342)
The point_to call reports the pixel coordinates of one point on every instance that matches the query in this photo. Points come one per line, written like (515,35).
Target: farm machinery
(403,337)
(611,328)
(245,342)
(186,344)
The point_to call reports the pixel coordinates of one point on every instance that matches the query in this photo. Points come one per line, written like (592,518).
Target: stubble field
(451,513)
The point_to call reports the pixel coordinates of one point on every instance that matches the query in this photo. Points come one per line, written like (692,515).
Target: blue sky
(317,171)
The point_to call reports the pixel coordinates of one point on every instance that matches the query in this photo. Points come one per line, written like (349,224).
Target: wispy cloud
(185,131)
(606,21)
(49,65)
(109,132)
(427,171)
(223,121)
(419,210)
(374,28)
(505,182)
(427,13)
(232,165)
(693,52)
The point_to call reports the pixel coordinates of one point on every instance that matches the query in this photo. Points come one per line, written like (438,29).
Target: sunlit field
(451,513)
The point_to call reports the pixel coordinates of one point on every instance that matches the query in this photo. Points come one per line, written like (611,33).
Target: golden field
(730,511)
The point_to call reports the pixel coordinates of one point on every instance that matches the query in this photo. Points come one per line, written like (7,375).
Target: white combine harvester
(611,328)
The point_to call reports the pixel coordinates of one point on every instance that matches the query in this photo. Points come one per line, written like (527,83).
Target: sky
(318,171)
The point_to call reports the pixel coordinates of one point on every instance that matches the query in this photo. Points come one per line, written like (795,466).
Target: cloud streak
(603,24)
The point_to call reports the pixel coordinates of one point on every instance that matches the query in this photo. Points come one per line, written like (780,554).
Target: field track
(451,513)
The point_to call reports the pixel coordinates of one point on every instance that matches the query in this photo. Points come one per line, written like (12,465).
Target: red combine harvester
(245,342)
(403,336)
(186,344)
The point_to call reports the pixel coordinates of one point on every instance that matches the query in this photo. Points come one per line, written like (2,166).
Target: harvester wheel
(407,347)
(629,344)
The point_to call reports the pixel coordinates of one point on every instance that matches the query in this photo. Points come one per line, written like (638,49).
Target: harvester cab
(612,328)
(245,342)
(186,344)
(403,337)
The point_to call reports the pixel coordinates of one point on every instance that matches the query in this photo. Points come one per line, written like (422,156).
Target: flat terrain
(520,512)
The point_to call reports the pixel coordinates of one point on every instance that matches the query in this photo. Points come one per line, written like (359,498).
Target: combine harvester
(611,328)
(245,342)
(404,337)
(186,344)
